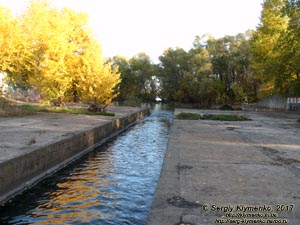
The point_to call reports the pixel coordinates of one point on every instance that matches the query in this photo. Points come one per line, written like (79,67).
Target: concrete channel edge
(24,171)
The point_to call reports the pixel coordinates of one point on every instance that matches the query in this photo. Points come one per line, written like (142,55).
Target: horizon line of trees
(213,71)
(55,51)
(228,70)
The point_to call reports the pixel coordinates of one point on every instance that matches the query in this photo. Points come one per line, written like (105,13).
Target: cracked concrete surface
(213,164)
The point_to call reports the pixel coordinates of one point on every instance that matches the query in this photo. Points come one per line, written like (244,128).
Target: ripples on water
(114,184)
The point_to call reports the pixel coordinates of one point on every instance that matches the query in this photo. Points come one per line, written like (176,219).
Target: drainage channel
(114,184)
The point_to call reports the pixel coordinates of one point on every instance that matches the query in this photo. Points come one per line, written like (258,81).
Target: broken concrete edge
(23,172)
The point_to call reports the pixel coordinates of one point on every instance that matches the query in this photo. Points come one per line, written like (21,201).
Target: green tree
(143,71)
(196,85)
(266,48)
(230,58)
(139,80)
(173,66)
(290,47)
(186,76)
(127,87)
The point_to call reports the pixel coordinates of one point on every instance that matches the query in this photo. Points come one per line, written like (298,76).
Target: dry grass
(221,117)
(8,108)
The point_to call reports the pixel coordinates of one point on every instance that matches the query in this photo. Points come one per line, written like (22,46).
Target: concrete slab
(252,167)
(34,146)
(20,135)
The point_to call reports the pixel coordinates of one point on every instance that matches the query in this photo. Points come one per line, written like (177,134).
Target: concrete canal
(114,184)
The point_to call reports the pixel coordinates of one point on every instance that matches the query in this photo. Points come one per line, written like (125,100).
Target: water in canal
(114,184)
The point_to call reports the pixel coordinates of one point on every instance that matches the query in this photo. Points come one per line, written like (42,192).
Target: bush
(226,107)
(220,117)
(189,116)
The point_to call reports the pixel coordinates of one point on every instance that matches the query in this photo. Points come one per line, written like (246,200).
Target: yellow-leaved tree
(92,79)
(13,60)
(64,59)
(6,23)
(266,48)
(45,38)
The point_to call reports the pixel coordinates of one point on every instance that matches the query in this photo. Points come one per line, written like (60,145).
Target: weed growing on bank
(11,109)
(220,117)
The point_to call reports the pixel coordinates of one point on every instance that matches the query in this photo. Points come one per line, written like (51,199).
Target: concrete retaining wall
(275,102)
(272,103)
(25,170)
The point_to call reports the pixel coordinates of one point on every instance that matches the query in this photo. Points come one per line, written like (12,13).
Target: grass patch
(85,111)
(220,117)
(188,116)
(10,109)
(225,117)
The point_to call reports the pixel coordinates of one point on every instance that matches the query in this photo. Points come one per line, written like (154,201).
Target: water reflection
(112,185)
(78,192)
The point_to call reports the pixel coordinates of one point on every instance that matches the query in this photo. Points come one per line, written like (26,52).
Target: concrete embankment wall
(25,170)
(272,103)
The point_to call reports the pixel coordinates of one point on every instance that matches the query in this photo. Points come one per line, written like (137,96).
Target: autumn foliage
(56,52)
